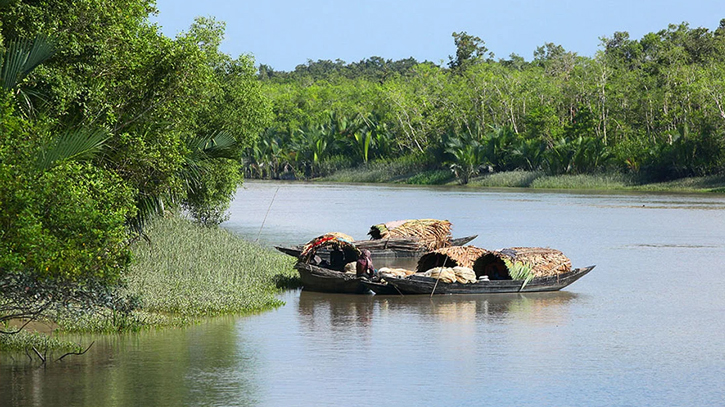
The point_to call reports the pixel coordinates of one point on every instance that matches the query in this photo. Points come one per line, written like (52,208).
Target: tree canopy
(651,106)
(112,123)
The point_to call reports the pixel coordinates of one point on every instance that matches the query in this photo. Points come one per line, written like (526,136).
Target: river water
(645,328)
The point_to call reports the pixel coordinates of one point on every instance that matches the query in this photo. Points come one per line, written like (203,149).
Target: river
(645,328)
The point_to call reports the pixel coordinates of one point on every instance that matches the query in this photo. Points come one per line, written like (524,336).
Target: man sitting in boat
(364,266)
(337,258)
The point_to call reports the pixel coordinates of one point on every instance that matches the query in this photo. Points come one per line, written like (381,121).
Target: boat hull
(325,280)
(427,285)
(381,288)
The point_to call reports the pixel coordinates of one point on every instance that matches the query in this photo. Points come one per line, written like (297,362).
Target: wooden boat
(326,280)
(380,287)
(426,285)
(384,248)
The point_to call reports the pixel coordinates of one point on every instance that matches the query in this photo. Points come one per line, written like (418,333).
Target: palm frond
(21,57)
(201,148)
(520,271)
(216,145)
(147,207)
(75,145)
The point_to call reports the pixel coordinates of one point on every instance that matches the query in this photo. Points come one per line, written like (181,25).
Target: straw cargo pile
(463,256)
(430,233)
(545,262)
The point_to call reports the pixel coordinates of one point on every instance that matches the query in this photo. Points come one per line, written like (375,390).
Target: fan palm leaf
(74,145)
(202,148)
(21,57)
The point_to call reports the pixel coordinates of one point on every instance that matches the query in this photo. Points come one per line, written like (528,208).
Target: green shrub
(65,223)
(432,177)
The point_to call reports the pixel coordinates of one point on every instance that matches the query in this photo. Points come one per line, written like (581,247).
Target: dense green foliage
(652,107)
(105,122)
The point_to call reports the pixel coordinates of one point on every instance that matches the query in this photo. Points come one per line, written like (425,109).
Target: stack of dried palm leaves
(544,262)
(463,256)
(430,233)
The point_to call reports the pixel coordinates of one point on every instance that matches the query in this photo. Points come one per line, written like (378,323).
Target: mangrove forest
(652,108)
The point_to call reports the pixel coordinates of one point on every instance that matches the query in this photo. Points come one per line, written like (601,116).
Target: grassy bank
(405,174)
(184,273)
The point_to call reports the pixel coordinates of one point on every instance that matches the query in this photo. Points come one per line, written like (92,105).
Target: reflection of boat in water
(471,270)
(324,310)
(346,310)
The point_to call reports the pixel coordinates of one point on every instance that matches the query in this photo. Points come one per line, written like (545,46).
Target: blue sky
(285,33)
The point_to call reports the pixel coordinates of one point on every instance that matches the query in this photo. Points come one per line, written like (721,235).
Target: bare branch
(39,355)
(19,329)
(75,353)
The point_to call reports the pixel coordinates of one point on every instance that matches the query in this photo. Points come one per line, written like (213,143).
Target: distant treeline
(653,106)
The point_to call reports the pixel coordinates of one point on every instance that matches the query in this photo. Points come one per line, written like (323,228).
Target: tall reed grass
(432,177)
(714,183)
(508,179)
(377,171)
(585,181)
(186,272)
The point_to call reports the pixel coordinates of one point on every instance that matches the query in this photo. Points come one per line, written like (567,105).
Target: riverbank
(403,173)
(182,274)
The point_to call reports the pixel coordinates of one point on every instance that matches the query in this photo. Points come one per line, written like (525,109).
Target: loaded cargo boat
(406,238)
(328,264)
(472,270)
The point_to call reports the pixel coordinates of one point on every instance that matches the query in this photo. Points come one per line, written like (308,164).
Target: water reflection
(318,311)
(203,365)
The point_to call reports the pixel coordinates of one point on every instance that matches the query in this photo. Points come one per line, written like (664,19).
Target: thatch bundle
(544,262)
(463,256)
(332,239)
(430,233)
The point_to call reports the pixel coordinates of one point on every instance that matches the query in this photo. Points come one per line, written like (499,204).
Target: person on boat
(364,266)
(337,258)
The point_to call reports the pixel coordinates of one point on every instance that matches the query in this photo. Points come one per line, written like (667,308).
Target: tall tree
(469,50)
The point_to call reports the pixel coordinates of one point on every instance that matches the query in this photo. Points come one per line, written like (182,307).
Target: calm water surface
(645,328)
